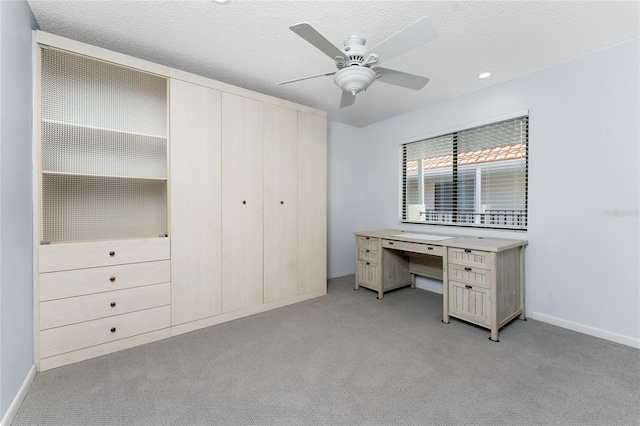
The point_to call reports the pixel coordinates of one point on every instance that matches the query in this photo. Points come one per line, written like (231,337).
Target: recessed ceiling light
(485,75)
(221,1)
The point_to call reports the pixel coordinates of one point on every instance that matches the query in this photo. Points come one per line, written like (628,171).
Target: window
(474,177)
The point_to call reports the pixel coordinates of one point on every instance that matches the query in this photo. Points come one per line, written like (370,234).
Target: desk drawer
(368,274)
(57,313)
(470,303)
(413,247)
(470,275)
(85,334)
(474,258)
(58,285)
(62,257)
(368,255)
(370,243)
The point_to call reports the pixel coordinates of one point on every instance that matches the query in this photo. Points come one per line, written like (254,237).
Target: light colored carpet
(349,359)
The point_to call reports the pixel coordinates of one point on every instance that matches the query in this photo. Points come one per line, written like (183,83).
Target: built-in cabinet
(242,200)
(168,202)
(196,204)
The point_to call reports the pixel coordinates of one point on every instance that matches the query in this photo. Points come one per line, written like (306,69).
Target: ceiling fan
(358,66)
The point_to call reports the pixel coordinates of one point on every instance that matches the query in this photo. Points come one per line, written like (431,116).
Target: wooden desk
(483,278)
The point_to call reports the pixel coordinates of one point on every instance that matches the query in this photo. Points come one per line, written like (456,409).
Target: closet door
(312,203)
(280,203)
(242,221)
(195,202)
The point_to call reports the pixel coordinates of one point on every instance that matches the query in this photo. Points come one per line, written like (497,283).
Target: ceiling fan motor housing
(354,49)
(354,79)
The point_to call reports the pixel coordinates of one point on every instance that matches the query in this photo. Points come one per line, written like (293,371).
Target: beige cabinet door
(242,192)
(195,202)
(312,203)
(280,203)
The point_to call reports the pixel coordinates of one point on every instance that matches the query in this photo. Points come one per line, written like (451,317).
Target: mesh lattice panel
(104,150)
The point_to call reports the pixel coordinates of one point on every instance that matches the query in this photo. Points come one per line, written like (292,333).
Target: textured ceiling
(248,43)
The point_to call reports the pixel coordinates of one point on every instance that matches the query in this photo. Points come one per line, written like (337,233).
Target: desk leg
(522,315)
(494,333)
(445,287)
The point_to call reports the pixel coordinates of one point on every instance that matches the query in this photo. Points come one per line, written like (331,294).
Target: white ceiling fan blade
(402,79)
(405,40)
(308,33)
(306,78)
(347,99)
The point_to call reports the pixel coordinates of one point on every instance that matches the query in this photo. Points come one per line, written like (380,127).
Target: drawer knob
(113,304)
(281,202)
(467,269)
(112,279)
(113,329)
(244,201)
(429,248)
(368,263)
(112,253)
(468,286)
(390,243)
(366,238)
(467,251)
(367,251)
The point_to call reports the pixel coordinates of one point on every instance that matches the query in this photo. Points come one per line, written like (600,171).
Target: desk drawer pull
(467,269)
(390,243)
(366,238)
(368,263)
(467,251)
(468,287)
(429,248)
(367,251)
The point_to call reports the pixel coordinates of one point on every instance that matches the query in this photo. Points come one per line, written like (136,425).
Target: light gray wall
(582,262)
(343,192)
(16,274)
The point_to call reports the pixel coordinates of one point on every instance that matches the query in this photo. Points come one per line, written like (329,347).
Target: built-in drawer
(85,334)
(370,243)
(413,247)
(62,257)
(79,282)
(60,312)
(470,303)
(470,275)
(476,258)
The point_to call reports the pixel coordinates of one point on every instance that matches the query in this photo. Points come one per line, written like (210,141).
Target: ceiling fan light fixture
(486,74)
(354,79)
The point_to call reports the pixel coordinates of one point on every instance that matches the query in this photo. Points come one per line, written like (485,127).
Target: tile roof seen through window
(486,155)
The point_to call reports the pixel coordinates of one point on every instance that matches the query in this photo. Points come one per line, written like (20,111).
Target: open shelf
(84,126)
(88,175)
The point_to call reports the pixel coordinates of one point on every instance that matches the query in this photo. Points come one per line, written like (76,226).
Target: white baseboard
(15,405)
(591,331)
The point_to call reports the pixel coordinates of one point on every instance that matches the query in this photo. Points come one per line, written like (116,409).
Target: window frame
(522,220)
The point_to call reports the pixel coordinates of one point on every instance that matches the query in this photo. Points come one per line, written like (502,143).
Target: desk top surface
(458,241)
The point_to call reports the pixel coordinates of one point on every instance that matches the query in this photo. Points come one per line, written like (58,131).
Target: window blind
(473,177)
